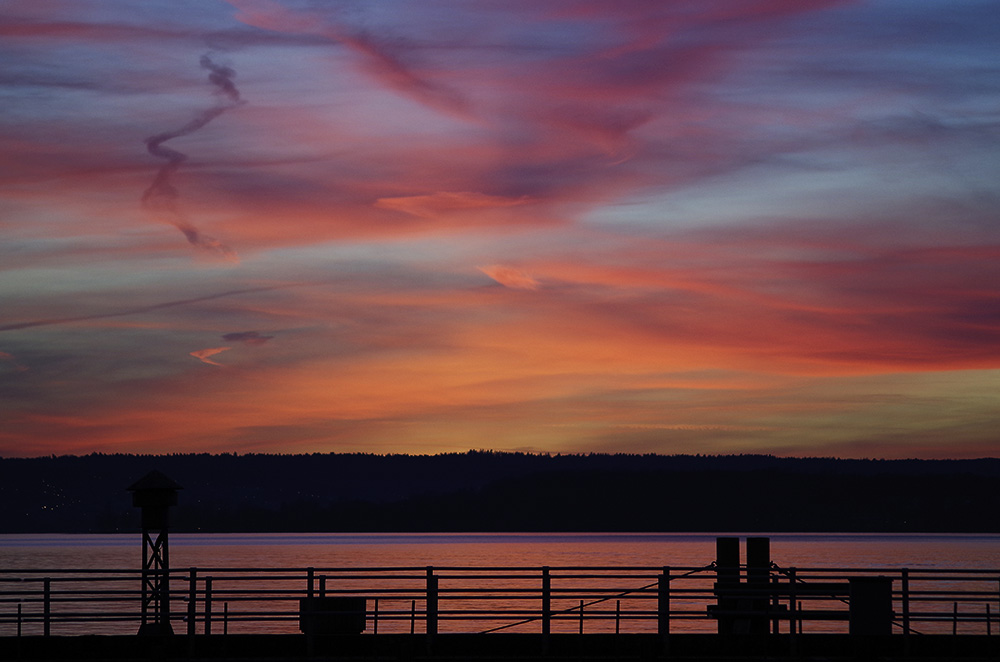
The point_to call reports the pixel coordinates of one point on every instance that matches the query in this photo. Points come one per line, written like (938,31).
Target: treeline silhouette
(494,491)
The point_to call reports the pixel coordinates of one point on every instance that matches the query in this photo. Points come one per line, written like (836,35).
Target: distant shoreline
(491,492)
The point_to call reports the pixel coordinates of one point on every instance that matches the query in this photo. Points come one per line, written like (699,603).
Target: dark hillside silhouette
(491,491)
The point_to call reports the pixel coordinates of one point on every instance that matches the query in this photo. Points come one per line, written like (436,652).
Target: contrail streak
(161,196)
(137,310)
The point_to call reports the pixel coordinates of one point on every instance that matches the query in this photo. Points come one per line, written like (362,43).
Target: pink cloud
(436,204)
(203,354)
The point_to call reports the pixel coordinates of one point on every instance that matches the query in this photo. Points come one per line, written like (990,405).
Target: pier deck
(502,648)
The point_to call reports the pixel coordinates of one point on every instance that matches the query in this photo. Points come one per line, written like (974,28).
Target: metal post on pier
(663,602)
(46,606)
(793,626)
(208,605)
(310,620)
(192,610)
(905,599)
(546,601)
(775,606)
(432,602)
(154,493)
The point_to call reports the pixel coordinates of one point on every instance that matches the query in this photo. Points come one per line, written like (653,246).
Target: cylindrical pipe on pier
(758,583)
(727,575)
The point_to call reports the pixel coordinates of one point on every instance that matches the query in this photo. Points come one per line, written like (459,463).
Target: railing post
(18,619)
(775,603)
(375,618)
(792,627)
(663,602)
(46,606)
(581,616)
(192,615)
(618,615)
(432,602)
(546,601)
(310,634)
(208,605)
(905,600)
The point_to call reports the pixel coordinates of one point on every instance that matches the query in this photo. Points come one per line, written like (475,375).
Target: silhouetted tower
(155,493)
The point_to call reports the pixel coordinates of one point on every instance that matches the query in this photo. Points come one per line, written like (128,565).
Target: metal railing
(495,599)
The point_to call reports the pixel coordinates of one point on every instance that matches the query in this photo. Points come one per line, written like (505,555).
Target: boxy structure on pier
(751,606)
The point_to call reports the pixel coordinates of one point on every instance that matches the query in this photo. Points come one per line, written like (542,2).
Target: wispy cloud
(161,198)
(247,337)
(436,204)
(379,55)
(9,358)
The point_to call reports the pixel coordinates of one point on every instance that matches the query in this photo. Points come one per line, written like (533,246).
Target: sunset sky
(705,226)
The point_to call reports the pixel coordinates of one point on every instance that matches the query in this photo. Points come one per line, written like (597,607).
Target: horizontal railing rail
(491,599)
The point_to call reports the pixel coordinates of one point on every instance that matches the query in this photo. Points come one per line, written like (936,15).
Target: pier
(729,608)
(734,607)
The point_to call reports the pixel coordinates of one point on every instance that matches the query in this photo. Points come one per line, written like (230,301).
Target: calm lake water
(495,549)
(528,550)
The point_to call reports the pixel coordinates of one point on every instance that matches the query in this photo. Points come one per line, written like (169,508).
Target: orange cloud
(510,277)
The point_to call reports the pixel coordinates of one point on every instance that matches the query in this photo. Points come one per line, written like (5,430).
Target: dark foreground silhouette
(488,491)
